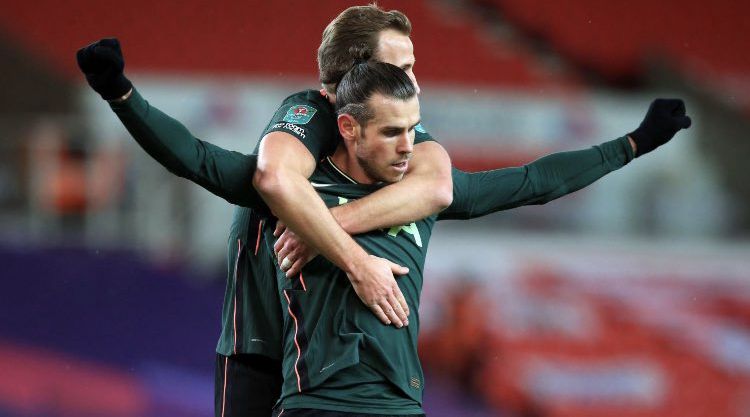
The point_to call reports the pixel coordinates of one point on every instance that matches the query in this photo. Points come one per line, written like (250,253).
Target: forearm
(562,173)
(538,182)
(294,201)
(225,173)
(425,190)
(284,165)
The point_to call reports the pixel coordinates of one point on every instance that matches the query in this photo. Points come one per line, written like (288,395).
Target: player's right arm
(222,172)
(284,165)
(228,175)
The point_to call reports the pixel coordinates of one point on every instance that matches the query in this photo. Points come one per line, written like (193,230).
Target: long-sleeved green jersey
(251,315)
(252,318)
(337,354)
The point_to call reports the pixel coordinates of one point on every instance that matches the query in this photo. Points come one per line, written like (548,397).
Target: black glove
(665,117)
(102,63)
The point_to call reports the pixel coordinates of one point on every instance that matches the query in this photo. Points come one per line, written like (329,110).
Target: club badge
(299,114)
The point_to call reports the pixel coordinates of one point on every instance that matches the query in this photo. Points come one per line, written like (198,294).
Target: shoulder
(308,116)
(307,109)
(309,100)
(421,134)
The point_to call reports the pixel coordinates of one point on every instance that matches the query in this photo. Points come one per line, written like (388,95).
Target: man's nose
(405,144)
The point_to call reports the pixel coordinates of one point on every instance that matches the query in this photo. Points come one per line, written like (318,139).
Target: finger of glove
(112,48)
(109,58)
(112,43)
(389,311)
(683,122)
(679,108)
(82,57)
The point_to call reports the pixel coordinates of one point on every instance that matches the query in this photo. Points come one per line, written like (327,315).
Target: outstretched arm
(480,193)
(224,173)
(559,174)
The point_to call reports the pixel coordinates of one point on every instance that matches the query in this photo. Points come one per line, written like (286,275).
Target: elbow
(443,194)
(267,180)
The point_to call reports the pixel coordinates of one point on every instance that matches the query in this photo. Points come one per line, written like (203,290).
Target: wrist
(633,145)
(353,263)
(112,88)
(123,97)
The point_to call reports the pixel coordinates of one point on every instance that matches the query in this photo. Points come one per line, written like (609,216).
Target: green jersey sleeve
(309,117)
(480,193)
(421,134)
(227,174)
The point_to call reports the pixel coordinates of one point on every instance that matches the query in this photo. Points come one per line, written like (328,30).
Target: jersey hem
(257,351)
(322,405)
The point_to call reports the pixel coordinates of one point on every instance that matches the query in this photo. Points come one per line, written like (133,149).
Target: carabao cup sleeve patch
(299,114)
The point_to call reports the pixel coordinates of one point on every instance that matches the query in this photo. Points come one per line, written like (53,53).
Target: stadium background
(628,298)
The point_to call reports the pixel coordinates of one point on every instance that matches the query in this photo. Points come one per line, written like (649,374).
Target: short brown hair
(353,37)
(367,79)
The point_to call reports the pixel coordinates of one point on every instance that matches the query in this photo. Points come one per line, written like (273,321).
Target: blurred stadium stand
(628,298)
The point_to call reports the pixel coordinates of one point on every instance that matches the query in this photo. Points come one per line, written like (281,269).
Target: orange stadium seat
(260,39)
(616,38)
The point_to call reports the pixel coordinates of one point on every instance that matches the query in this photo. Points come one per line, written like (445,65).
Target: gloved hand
(664,118)
(103,65)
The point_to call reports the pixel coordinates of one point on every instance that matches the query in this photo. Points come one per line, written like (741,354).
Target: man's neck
(347,163)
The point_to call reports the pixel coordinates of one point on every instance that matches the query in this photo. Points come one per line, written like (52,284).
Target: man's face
(384,146)
(396,48)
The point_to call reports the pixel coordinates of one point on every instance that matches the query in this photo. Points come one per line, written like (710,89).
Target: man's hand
(375,285)
(284,165)
(292,252)
(103,65)
(665,117)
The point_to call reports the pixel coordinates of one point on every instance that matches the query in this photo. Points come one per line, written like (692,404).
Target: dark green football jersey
(251,314)
(252,318)
(337,354)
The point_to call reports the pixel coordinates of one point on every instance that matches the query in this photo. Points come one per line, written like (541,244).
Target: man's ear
(348,127)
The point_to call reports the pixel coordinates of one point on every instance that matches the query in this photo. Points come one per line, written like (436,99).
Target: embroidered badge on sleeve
(299,114)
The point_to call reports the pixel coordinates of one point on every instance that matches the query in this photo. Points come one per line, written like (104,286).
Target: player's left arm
(553,176)
(426,189)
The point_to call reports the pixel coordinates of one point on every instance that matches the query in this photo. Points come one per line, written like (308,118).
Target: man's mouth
(401,166)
